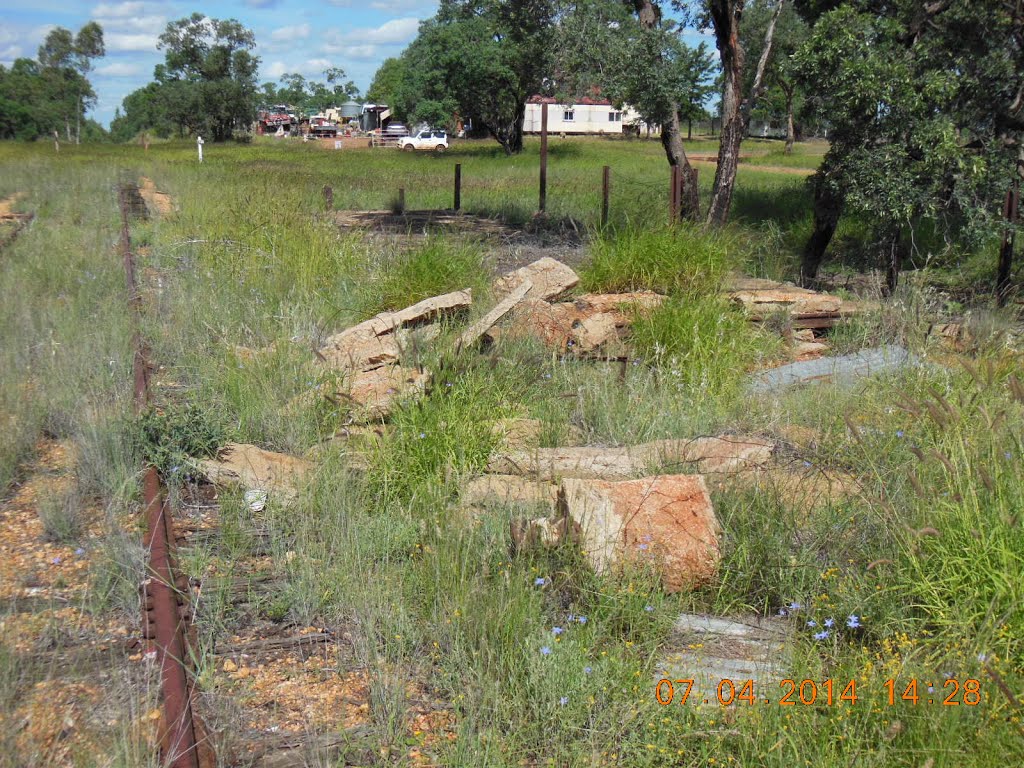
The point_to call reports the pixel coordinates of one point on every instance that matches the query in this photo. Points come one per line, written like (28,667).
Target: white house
(588,115)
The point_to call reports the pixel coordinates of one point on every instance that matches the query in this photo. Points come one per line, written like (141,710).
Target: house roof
(585,100)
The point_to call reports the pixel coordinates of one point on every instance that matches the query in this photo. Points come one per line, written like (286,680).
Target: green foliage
(683,260)
(39,98)
(206,85)
(480,59)
(388,81)
(439,266)
(921,107)
(702,341)
(310,97)
(168,438)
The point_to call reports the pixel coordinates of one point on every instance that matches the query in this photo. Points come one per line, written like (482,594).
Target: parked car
(436,141)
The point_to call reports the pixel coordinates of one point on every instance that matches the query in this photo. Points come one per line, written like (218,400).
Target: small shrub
(169,437)
(435,268)
(119,567)
(62,513)
(678,260)
(702,342)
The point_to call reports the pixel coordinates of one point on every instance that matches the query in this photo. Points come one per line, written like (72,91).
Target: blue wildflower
(80,551)
(794,606)
(853,621)
(563,701)
(545,651)
(823,635)
(648,608)
(830,623)
(899,433)
(581,619)
(812,623)
(587,670)
(423,435)
(556,631)
(782,612)
(540,581)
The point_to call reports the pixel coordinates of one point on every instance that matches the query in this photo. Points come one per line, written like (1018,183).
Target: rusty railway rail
(166,612)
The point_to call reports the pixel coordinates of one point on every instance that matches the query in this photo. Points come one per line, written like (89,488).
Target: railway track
(166,604)
(273,694)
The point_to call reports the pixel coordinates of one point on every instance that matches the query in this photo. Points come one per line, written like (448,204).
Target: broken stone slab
(841,371)
(705,454)
(549,323)
(763,297)
(586,324)
(550,279)
(490,491)
(373,343)
(377,392)
(485,323)
(523,434)
(799,487)
(808,350)
(709,649)
(245,465)
(668,519)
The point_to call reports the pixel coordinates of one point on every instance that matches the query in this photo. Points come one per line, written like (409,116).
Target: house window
(614,117)
(568,116)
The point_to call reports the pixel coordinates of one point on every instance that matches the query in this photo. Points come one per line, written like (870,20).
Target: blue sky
(291,36)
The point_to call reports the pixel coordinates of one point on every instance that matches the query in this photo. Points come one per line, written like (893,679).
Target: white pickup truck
(436,141)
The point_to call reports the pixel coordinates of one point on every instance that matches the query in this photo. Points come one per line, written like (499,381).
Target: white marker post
(199,146)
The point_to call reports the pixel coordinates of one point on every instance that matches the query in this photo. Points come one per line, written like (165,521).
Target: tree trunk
(649,16)
(790,129)
(1005,269)
(893,251)
(827,208)
(67,128)
(726,17)
(762,65)
(689,130)
(510,135)
(78,121)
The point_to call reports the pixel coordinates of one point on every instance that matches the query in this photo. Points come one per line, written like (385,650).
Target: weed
(62,512)
(681,260)
(169,437)
(438,266)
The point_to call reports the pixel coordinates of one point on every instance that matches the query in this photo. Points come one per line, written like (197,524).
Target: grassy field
(917,568)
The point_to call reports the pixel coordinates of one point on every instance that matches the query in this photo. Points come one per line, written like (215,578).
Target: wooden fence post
(606,183)
(543,157)
(458,186)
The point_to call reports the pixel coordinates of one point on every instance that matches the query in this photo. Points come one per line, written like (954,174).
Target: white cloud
(425,8)
(285,34)
(275,70)
(129,42)
(391,32)
(134,25)
(118,10)
(364,44)
(316,66)
(120,69)
(261,3)
(360,52)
